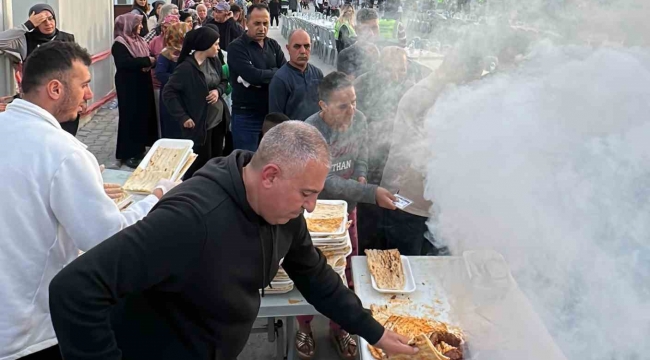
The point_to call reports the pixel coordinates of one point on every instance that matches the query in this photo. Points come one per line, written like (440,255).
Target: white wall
(91,22)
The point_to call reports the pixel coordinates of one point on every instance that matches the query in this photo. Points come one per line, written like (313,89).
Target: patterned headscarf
(169,20)
(174,37)
(167,9)
(124,33)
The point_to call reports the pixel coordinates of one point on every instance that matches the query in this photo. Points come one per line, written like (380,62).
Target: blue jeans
(246,130)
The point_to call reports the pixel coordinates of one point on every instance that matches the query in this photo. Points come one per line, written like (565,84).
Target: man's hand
(163,187)
(362,180)
(189,124)
(395,344)
(4,101)
(38,19)
(385,198)
(213,96)
(114,191)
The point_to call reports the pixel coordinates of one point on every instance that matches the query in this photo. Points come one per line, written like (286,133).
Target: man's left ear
(55,89)
(269,173)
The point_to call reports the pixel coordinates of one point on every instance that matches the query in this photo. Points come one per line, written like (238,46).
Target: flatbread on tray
(386,268)
(162,165)
(436,340)
(427,350)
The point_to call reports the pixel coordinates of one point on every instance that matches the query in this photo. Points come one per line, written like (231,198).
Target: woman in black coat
(193,95)
(137,126)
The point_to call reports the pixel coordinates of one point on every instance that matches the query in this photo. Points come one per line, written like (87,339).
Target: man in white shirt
(52,199)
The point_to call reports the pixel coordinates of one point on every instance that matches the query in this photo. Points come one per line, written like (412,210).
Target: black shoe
(132,162)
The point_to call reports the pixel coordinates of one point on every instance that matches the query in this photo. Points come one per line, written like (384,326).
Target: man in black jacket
(253,59)
(184,282)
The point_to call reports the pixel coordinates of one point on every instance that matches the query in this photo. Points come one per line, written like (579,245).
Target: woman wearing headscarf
(141,7)
(39,29)
(165,66)
(165,10)
(193,95)
(137,125)
(186,17)
(154,16)
(158,43)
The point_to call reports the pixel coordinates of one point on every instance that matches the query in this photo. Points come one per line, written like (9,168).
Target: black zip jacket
(184,282)
(184,96)
(228,31)
(256,65)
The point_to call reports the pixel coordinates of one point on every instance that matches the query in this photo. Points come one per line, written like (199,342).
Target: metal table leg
(280,339)
(290,333)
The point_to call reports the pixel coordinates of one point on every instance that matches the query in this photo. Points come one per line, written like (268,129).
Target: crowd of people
(177,274)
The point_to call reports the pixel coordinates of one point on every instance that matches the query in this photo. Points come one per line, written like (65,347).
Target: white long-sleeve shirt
(52,204)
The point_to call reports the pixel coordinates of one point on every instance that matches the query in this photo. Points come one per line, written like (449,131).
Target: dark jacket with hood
(184,96)
(184,282)
(229,30)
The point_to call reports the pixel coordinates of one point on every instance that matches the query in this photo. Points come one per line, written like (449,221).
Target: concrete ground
(100,134)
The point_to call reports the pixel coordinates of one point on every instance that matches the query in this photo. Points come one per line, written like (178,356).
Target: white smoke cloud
(550,166)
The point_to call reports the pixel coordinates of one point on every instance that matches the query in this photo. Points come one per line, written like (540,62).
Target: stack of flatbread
(326,218)
(280,284)
(162,165)
(436,340)
(386,268)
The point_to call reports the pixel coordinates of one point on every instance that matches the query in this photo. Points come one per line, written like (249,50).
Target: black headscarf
(200,39)
(36,38)
(153,8)
(216,28)
(184,15)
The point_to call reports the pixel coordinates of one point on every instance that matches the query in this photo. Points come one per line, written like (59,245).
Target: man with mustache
(53,200)
(294,88)
(253,60)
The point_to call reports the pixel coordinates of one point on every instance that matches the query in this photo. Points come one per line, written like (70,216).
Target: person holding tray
(53,199)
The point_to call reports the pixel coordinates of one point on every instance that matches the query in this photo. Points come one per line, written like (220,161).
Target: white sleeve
(82,207)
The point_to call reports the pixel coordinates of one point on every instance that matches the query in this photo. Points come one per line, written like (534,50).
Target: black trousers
(52,353)
(277,19)
(213,147)
(407,233)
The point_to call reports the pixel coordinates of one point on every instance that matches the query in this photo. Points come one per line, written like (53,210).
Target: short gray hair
(364,15)
(291,145)
(295,31)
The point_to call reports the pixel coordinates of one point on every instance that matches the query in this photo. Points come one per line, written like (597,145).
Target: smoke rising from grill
(549,164)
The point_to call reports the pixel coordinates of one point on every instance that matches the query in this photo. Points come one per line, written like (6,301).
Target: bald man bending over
(294,87)
(184,282)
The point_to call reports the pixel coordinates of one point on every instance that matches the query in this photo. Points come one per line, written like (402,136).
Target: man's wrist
(158,193)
